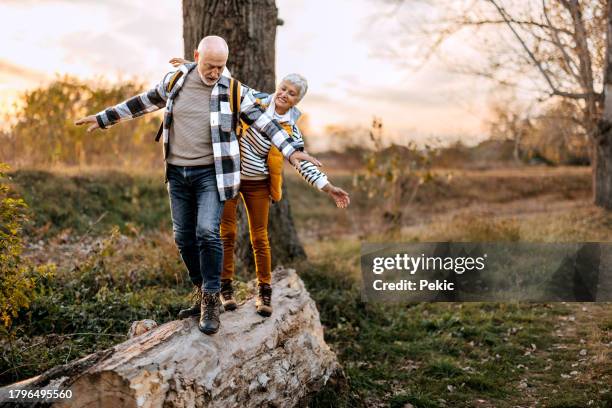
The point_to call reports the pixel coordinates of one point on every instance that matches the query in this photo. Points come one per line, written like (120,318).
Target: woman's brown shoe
(263,303)
(227,295)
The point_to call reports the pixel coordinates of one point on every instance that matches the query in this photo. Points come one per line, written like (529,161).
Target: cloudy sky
(340,46)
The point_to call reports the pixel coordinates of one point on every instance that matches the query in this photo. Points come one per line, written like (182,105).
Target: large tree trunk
(602,169)
(280,361)
(249,27)
(602,144)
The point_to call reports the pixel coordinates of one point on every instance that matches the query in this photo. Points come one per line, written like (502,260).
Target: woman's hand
(178,61)
(340,197)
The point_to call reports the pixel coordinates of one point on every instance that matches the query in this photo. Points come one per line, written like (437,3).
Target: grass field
(109,233)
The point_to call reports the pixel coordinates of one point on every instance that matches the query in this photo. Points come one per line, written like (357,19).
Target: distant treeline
(42,132)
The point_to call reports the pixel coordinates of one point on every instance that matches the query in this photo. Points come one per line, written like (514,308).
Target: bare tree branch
(513,21)
(569,63)
(554,91)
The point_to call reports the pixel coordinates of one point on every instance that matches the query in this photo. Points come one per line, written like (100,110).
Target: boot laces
(196,295)
(265,293)
(211,305)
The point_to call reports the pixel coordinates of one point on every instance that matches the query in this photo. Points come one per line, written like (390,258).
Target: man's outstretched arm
(253,114)
(149,101)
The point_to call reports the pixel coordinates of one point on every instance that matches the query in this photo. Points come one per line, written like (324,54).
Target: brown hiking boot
(263,303)
(227,295)
(194,309)
(209,313)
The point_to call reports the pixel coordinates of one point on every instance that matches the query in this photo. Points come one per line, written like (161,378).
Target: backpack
(235,99)
(275,159)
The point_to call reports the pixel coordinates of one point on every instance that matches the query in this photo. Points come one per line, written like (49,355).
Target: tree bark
(602,143)
(602,170)
(249,27)
(280,361)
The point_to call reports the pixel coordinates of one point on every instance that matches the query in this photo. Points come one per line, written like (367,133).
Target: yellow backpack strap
(235,99)
(171,83)
(242,126)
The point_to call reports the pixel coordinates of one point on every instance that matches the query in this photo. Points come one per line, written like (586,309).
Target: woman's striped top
(254,150)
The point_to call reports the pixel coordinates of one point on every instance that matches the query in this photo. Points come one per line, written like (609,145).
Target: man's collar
(188,67)
(224,79)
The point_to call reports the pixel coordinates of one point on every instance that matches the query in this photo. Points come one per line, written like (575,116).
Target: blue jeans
(196,215)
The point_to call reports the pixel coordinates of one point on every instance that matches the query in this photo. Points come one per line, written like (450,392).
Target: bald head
(213,44)
(211,57)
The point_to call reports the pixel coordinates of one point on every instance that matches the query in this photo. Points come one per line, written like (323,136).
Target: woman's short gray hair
(299,81)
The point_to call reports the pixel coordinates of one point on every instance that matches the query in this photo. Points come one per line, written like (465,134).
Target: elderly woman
(260,181)
(260,172)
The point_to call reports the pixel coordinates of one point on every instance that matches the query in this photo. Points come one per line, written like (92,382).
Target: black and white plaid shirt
(226,149)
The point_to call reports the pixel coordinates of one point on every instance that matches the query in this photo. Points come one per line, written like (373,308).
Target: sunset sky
(339,46)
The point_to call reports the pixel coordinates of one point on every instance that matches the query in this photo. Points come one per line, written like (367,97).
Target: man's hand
(91,119)
(177,61)
(298,156)
(340,197)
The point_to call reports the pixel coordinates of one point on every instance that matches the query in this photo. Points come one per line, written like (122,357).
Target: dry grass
(428,354)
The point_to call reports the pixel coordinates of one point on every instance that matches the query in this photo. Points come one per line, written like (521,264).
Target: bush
(91,302)
(19,280)
(43,133)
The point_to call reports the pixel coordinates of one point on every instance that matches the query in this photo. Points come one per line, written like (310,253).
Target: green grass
(425,354)
(92,201)
(442,354)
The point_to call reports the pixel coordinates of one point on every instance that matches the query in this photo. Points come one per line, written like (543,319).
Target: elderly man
(202,160)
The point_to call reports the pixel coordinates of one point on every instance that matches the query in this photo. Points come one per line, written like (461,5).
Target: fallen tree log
(252,361)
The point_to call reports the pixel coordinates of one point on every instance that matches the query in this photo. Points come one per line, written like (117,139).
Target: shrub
(19,279)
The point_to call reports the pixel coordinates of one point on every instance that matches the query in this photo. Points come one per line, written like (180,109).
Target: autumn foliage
(42,130)
(19,279)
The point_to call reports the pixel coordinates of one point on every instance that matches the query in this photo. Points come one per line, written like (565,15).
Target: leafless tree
(553,48)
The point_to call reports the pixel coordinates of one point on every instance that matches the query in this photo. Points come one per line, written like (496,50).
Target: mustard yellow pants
(256,197)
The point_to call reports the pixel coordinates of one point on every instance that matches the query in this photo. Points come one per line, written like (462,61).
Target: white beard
(206,81)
